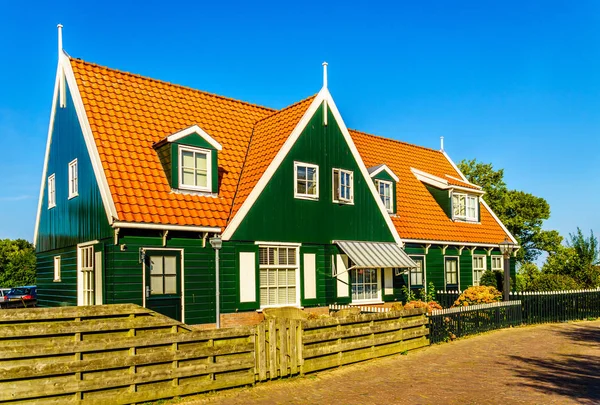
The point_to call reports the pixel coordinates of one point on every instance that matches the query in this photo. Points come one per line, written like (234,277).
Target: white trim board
(142,225)
(450,243)
(194,129)
(47,154)
(322,96)
(382,168)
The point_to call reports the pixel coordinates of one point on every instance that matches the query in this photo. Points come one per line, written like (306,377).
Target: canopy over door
(370,255)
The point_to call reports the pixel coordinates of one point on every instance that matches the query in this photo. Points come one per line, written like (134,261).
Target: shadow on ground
(575,376)
(583,334)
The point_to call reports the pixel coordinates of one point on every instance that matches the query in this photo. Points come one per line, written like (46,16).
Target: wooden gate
(278,348)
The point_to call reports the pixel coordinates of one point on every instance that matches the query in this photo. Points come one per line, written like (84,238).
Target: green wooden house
(143,180)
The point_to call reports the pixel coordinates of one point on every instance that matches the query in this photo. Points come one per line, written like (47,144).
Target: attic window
(343,186)
(464,207)
(195,169)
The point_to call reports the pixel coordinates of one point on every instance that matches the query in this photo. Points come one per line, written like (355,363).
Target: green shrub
(478,295)
(553,282)
(492,279)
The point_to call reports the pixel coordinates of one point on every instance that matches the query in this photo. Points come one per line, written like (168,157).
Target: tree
(17,263)
(522,213)
(579,259)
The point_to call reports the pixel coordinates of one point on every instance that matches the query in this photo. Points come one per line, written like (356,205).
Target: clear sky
(512,83)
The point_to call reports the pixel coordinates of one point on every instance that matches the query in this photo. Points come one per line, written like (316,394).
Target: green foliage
(526,276)
(492,279)
(553,282)
(522,213)
(17,263)
(428,295)
(578,260)
(409,294)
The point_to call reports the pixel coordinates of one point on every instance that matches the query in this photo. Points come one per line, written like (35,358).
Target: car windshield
(19,291)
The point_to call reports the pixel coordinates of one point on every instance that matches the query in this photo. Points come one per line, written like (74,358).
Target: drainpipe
(216,242)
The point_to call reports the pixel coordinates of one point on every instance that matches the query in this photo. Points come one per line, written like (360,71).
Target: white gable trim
(47,154)
(195,129)
(443,184)
(107,200)
(386,169)
(512,238)
(323,95)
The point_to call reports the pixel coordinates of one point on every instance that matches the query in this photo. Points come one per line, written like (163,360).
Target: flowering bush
(478,295)
(430,306)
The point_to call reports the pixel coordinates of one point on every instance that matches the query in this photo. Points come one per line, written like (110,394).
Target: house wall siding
(52,293)
(278,216)
(79,219)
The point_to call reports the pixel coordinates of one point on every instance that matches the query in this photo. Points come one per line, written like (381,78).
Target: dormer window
(195,164)
(190,160)
(464,206)
(385,192)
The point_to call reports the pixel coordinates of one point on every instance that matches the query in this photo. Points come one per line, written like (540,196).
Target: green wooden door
(163,283)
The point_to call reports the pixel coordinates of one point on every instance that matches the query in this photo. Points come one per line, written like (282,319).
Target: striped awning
(369,255)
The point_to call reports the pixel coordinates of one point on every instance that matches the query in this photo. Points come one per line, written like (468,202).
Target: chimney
(325,75)
(60,47)
(442,143)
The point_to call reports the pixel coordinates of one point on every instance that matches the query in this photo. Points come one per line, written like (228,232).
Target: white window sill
(73,196)
(259,310)
(306,197)
(366,302)
(344,202)
(56,281)
(51,206)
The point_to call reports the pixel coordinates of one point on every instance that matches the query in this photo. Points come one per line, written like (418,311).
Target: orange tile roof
(419,216)
(129,113)
(457,182)
(268,138)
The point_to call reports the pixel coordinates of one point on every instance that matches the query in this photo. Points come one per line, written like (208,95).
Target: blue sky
(513,83)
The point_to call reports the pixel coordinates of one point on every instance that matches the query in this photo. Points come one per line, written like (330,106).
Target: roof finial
(60,47)
(442,143)
(325,75)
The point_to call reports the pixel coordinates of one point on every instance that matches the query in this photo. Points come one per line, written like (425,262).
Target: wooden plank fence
(122,354)
(115,354)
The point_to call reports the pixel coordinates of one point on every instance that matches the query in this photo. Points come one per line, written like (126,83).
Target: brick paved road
(549,364)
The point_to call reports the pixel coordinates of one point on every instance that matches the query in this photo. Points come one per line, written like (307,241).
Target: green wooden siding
(278,216)
(434,264)
(57,293)
(82,218)
(384,175)
(442,198)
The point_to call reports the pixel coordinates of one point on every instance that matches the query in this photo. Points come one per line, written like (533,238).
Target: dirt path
(548,364)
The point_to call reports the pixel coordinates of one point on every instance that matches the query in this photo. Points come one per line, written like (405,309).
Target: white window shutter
(342,278)
(247,277)
(98,276)
(310,276)
(389,281)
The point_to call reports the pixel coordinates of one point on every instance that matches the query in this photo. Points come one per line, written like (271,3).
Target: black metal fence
(523,308)
(558,306)
(447,298)
(452,323)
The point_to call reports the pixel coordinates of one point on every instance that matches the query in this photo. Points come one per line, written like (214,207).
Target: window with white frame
(478,268)
(497,263)
(464,207)
(86,267)
(194,168)
(278,268)
(451,267)
(385,192)
(343,186)
(51,191)
(365,285)
(417,275)
(73,179)
(56,268)
(306,180)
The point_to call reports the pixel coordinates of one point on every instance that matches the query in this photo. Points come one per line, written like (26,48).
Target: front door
(163,283)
